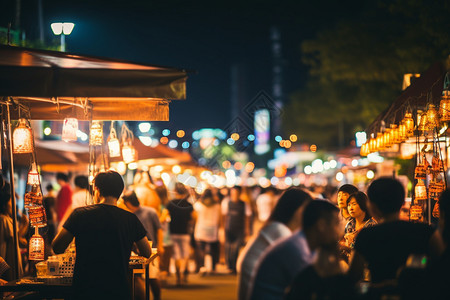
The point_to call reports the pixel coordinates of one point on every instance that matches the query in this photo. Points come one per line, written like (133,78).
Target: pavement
(218,286)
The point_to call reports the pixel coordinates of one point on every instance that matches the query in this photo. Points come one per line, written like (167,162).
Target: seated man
(283,261)
(104,236)
(386,246)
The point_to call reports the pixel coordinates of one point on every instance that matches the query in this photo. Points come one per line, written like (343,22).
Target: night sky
(205,36)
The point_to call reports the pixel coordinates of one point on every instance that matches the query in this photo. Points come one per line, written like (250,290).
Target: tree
(357,67)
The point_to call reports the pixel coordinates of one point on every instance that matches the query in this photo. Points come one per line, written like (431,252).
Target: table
(63,290)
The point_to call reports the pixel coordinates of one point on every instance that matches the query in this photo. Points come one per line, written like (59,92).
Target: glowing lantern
(402,131)
(37,247)
(364,149)
(409,124)
(380,141)
(387,138)
(395,137)
(113,143)
(128,153)
(422,120)
(96,134)
(372,145)
(420,191)
(33,176)
(415,212)
(37,215)
(444,107)
(432,120)
(22,138)
(70,128)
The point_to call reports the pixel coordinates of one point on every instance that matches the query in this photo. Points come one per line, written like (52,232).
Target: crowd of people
(295,244)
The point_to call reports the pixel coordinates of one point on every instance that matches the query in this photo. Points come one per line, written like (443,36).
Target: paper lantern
(380,141)
(402,131)
(421,120)
(33,197)
(37,215)
(129,154)
(37,247)
(114,147)
(432,120)
(33,176)
(444,107)
(408,121)
(420,172)
(364,149)
(420,190)
(395,137)
(415,212)
(387,138)
(372,145)
(96,134)
(23,138)
(70,129)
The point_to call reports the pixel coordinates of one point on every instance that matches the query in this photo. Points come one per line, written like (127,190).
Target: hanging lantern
(70,129)
(129,154)
(364,149)
(96,134)
(444,107)
(408,121)
(395,137)
(436,210)
(33,176)
(420,172)
(37,247)
(113,143)
(420,190)
(387,138)
(33,197)
(415,213)
(432,120)
(402,131)
(23,138)
(37,215)
(422,120)
(380,141)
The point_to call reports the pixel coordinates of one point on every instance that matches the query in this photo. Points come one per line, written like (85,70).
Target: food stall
(48,85)
(415,126)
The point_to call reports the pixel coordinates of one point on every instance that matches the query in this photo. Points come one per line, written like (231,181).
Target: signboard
(262,131)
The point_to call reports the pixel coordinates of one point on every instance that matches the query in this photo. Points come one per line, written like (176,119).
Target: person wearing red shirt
(64,197)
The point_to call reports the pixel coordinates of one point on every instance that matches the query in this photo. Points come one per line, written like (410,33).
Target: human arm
(144,247)
(62,241)
(160,241)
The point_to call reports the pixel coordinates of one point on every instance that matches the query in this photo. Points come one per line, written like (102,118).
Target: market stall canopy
(55,85)
(425,89)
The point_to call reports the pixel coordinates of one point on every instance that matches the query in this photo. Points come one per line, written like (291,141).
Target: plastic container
(53,265)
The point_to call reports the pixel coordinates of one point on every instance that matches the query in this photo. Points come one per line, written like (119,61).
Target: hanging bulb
(37,247)
(70,129)
(96,134)
(22,138)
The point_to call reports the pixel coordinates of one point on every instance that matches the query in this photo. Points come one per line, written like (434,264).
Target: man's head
(343,193)
(290,205)
(109,184)
(81,182)
(62,178)
(321,222)
(386,197)
(131,200)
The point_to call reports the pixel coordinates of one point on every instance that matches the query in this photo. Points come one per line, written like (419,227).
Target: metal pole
(13,199)
(63,42)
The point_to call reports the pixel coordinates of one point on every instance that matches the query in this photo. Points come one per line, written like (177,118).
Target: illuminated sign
(262,131)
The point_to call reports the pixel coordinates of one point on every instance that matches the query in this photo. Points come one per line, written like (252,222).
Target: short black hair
(109,184)
(49,187)
(388,194)
(62,176)
(131,198)
(348,188)
(82,182)
(361,199)
(181,189)
(288,204)
(316,210)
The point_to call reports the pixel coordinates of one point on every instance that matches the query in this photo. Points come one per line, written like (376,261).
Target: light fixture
(37,247)
(33,175)
(395,136)
(70,129)
(387,138)
(37,215)
(444,107)
(402,131)
(33,198)
(409,124)
(23,138)
(422,120)
(420,191)
(113,142)
(380,141)
(129,154)
(432,120)
(96,134)
(62,29)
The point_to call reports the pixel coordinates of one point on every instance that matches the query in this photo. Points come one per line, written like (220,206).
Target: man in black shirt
(104,236)
(386,246)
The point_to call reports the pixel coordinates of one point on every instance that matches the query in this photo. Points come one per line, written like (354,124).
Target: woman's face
(354,210)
